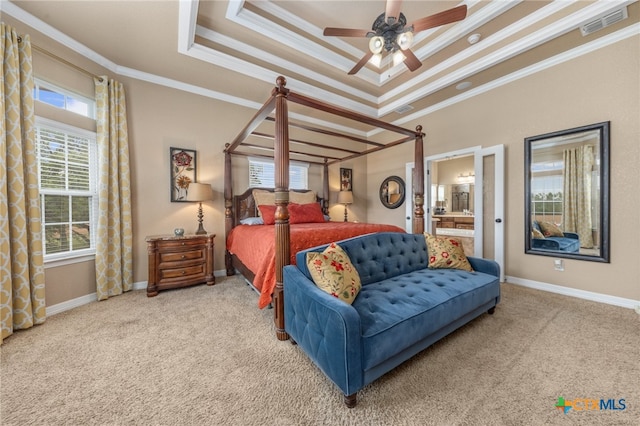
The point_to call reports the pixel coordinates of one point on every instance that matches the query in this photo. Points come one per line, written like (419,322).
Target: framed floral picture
(183,172)
(346,183)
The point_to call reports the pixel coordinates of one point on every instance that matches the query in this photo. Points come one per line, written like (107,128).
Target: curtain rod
(64,61)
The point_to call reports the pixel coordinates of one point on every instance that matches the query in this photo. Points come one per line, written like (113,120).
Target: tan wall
(600,86)
(586,90)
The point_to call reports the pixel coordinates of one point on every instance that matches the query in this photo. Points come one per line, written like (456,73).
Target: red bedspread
(254,245)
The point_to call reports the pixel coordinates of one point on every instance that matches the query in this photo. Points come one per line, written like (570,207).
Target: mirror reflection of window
(567,190)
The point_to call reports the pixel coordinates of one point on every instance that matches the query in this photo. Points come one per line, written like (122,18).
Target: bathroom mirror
(392,192)
(567,193)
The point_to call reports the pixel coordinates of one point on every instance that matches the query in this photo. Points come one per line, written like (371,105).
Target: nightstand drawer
(182,256)
(184,272)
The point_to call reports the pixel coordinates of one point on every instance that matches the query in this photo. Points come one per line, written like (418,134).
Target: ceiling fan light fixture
(376,44)
(376,59)
(405,40)
(398,57)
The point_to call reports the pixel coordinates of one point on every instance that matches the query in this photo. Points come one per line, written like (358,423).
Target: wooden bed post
(325,187)
(418,184)
(283,248)
(228,207)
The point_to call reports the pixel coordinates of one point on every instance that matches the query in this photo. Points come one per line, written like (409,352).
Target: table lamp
(199,192)
(345,197)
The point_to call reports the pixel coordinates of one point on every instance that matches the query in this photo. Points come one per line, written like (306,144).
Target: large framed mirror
(567,193)
(392,192)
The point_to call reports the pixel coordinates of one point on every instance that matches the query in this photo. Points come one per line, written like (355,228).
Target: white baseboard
(580,294)
(70,304)
(93,297)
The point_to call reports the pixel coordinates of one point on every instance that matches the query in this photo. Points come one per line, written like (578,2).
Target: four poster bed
(266,227)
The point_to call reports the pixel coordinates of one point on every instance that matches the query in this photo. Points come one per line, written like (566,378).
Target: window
(68,191)
(64,99)
(546,191)
(262,174)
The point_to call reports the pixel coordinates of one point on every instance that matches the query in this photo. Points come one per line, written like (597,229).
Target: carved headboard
(244,205)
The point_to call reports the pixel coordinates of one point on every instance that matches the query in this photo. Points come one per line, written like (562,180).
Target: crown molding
(623,34)
(188,26)
(521,45)
(234,44)
(51,32)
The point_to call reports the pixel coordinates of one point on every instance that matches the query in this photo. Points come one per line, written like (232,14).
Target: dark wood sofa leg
(351,400)
(491,311)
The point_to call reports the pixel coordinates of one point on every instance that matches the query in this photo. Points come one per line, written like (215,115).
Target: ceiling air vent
(403,109)
(604,21)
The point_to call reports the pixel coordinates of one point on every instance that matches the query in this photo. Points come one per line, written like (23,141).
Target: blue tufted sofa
(569,243)
(402,308)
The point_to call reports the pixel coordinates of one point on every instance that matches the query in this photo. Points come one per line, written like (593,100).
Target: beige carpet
(208,356)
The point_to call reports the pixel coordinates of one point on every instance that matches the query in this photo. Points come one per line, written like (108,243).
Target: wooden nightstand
(176,262)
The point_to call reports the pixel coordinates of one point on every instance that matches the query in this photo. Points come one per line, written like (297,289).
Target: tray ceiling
(234,50)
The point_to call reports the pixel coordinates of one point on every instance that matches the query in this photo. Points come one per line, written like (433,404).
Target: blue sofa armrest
(327,329)
(571,235)
(487,266)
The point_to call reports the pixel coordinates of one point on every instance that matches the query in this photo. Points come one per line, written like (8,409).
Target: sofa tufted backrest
(378,256)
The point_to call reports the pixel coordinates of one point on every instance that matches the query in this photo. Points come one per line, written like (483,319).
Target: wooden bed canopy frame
(278,101)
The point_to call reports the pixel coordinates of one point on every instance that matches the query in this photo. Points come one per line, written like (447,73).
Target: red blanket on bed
(254,245)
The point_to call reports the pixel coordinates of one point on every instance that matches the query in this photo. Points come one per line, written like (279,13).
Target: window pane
(56,208)
(52,145)
(51,97)
(78,177)
(77,106)
(50,94)
(78,150)
(262,174)
(80,209)
(56,238)
(52,175)
(81,236)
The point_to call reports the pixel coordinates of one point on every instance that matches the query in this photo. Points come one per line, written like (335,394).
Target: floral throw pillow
(536,234)
(446,253)
(550,229)
(333,272)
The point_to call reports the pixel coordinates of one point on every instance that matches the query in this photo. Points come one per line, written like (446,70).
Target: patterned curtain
(114,252)
(576,215)
(22,302)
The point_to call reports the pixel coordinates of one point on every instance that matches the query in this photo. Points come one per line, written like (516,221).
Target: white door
(488,199)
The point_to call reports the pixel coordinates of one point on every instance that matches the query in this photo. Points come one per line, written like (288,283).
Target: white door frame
(478,152)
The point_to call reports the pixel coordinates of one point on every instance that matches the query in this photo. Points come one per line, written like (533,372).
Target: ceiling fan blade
(345,32)
(361,63)
(442,18)
(411,60)
(392,10)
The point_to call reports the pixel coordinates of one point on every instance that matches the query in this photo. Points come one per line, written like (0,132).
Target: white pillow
(252,221)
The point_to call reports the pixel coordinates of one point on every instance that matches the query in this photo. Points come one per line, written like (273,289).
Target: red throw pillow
(268,214)
(305,213)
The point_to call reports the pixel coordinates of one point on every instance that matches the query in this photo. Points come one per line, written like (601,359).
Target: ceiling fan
(391,33)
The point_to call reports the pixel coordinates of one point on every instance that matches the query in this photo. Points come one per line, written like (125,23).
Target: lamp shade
(345,197)
(199,192)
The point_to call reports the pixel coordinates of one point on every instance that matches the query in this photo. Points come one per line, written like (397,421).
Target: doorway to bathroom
(464,197)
